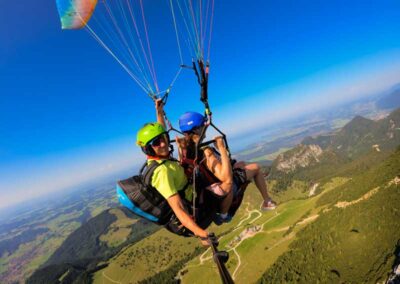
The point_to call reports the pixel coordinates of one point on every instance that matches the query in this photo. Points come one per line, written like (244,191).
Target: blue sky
(69,113)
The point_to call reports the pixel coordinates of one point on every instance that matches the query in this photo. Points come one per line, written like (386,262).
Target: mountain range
(320,156)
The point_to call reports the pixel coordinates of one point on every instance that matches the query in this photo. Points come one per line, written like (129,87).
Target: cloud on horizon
(68,170)
(329,88)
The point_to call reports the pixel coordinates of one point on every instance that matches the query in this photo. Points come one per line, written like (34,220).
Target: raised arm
(181,143)
(222,168)
(160,112)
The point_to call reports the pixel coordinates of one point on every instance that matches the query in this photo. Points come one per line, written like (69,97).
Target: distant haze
(326,89)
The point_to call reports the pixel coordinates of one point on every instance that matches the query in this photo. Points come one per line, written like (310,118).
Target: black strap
(147,171)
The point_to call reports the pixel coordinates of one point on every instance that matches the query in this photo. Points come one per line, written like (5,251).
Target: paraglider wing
(74,14)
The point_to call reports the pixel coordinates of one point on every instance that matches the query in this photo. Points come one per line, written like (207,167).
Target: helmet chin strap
(164,156)
(157,157)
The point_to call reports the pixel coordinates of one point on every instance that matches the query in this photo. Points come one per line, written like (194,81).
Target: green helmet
(148,132)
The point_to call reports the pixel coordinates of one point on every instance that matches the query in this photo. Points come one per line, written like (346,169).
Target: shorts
(216,189)
(239,179)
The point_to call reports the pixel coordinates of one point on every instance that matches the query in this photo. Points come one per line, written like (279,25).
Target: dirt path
(307,220)
(248,216)
(252,234)
(344,204)
(247,236)
(108,278)
(203,257)
(313,189)
(238,265)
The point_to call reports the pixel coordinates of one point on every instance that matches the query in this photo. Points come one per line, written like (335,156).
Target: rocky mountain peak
(302,156)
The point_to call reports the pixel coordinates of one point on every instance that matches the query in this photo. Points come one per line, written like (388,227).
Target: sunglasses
(156,142)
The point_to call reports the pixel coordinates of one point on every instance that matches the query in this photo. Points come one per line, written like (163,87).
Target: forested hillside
(97,240)
(356,236)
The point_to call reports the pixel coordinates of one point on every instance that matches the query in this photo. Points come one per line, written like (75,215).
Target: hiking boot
(268,205)
(219,219)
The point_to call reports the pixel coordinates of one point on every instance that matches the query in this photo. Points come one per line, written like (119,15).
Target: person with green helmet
(169,178)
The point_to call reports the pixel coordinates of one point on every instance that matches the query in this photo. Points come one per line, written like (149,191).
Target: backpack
(137,194)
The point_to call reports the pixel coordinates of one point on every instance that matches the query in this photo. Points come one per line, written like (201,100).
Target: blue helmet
(190,120)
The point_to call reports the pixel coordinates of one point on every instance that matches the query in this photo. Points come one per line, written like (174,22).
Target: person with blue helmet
(219,171)
(191,124)
(169,178)
(191,120)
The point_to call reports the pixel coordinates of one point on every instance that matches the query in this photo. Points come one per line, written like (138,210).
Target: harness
(139,196)
(204,176)
(204,205)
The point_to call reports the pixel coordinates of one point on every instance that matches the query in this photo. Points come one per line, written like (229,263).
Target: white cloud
(329,88)
(69,170)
